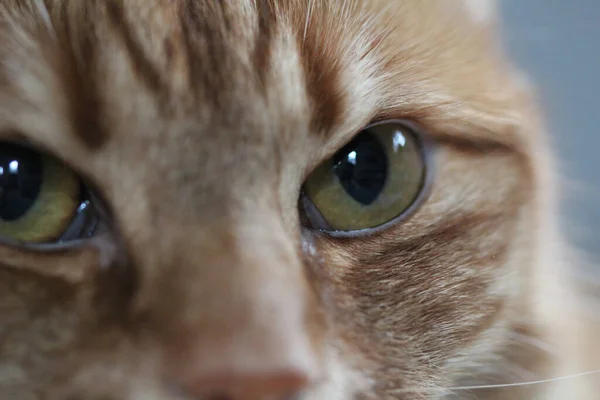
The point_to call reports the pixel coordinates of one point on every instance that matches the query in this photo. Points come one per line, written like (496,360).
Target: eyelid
(72,262)
(426,138)
(21,139)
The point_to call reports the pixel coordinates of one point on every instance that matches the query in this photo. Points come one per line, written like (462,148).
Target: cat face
(196,127)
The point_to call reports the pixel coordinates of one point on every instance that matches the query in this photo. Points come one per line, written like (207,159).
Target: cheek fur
(416,295)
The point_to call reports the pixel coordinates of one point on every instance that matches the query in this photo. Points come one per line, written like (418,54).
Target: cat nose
(247,366)
(273,385)
(254,368)
(242,324)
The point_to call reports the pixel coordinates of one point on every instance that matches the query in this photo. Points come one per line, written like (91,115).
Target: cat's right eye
(378,177)
(41,200)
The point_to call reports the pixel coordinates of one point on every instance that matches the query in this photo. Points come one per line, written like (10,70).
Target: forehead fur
(411,58)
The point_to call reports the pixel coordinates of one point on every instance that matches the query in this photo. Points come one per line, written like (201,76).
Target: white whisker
(307,22)
(498,386)
(540,382)
(43,11)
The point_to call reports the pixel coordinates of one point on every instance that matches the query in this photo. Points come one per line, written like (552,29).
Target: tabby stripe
(144,68)
(76,68)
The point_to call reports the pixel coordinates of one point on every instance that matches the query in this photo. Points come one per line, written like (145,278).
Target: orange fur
(198,122)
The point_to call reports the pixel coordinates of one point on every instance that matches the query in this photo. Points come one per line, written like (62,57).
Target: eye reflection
(352,158)
(13,167)
(398,141)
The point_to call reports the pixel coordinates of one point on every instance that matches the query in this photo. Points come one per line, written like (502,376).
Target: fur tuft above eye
(377,177)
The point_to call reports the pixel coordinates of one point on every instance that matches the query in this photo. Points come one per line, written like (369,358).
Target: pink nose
(234,316)
(266,364)
(266,385)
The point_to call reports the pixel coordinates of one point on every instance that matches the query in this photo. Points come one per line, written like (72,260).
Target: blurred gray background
(558,43)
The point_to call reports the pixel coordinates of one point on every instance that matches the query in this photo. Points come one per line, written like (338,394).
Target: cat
(278,199)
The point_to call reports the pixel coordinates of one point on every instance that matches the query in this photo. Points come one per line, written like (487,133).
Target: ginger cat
(277,200)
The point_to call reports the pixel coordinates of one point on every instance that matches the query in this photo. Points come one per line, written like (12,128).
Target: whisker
(43,11)
(499,386)
(308,17)
(540,382)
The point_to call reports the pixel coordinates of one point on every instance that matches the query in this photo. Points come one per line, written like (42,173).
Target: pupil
(20,181)
(362,168)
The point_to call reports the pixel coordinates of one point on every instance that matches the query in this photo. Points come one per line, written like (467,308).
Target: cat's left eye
(377,177)
(41,199)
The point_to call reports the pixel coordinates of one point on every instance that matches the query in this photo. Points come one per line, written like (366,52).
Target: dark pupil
(20,181)
(362,167)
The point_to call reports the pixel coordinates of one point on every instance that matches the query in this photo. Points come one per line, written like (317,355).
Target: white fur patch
(481,11)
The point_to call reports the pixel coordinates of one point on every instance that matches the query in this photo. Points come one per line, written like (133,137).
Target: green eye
(374,179)
(41,200)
